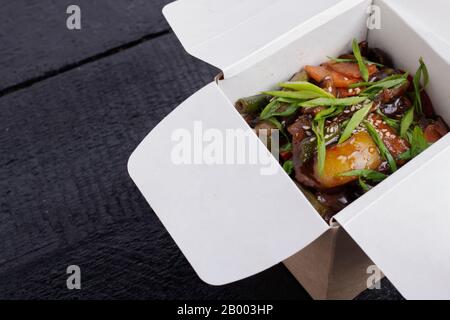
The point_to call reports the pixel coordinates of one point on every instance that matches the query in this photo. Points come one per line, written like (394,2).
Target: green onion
(421,72)
(323,102)
(418,144)
(287,100)
(355,121)
(362,66)
(375,89)
(329,113)
(383,149)
(406,122)
(318,128)
(306,86)
(371,175)
(270,108)
(288,166)
(276,112)
(363,185)
(370,84)
(354,61)
(389,121)
(286,148)
(279,126)
(298,95)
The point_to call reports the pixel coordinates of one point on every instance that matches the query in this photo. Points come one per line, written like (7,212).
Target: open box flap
(430,20)
(222,32)
(408,236)
(230,221)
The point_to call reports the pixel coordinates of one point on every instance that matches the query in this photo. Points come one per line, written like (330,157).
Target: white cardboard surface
(402,229)
(229,220)
(403,224)
(222,32)
(430,19)
(406,231)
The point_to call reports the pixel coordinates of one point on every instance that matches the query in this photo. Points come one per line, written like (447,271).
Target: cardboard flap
(230,220)
(430,20)
(222,32)
(408,236)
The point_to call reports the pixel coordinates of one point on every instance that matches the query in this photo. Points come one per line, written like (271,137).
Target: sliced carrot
(350,69)
(317,73)
(342,81)
(339,80)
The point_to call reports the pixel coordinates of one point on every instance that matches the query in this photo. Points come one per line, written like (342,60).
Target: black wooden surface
(70,119)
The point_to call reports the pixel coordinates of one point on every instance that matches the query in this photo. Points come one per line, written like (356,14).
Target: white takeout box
(231,222)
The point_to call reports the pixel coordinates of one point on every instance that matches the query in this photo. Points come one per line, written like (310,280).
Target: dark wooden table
(74,105)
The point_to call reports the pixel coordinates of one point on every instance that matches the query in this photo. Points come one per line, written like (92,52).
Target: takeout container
(231,222)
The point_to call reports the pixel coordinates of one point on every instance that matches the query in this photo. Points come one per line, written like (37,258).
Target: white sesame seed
(306,128)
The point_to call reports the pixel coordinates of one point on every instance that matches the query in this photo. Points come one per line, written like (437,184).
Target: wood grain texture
(66,197)
(35,40)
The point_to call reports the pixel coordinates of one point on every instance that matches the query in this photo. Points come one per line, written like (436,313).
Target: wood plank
(35,40)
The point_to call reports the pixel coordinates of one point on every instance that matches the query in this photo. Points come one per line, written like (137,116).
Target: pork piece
(335,202)
(299,128)
(357,153)
(394,143)
(389,95)
(379,56)
(435,131)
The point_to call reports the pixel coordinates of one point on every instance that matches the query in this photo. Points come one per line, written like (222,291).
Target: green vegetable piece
(355,121)
(323,102)
(306,86)
(364,186)
(362,66)
(371,175)
(421,72)
(297,95)
(318,128)
(381,146)
(406,122)
(252,104)
(288,166)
